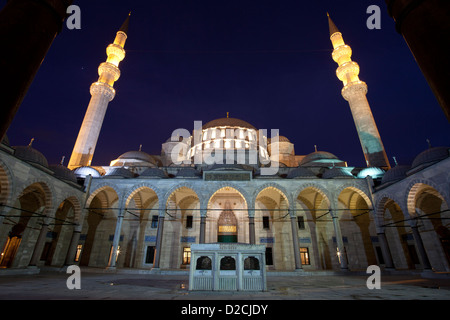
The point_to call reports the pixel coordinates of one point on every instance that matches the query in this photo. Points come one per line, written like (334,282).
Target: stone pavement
(49,285)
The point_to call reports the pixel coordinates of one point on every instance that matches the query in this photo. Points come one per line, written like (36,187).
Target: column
(385,250)
(202,225)
(294,227)
(340,243)
(116,240)
(70,258)
(420,247)
(251,226)
(39,244)
(159,238)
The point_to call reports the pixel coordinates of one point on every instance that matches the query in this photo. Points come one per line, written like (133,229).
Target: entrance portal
(227,226)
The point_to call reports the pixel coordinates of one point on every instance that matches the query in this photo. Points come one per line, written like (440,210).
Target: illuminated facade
(315,212)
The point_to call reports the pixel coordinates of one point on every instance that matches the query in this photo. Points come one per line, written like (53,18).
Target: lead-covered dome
(153,173)
(395,174)
(430,156)
(83,172)
(320,158)
(228,122)
(31,155)
(119,172)
(63,173)
(134,158)
(337,172)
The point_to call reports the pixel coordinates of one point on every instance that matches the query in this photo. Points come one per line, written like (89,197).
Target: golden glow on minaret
(102,93)
(354,91)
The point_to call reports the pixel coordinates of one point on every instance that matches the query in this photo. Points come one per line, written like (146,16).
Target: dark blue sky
(266,62)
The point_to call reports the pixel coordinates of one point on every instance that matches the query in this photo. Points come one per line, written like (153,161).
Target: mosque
(225,182)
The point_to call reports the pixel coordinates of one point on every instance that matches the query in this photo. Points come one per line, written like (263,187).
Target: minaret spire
(102,92)
(354,91)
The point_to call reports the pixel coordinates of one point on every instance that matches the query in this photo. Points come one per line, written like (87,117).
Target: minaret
(354,92)
(102,92)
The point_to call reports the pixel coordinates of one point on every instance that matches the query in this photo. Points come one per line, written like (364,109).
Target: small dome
(374,172)
(188,173)
(394,174)
(136,155)
(301,172)
(29,154)
(319,157)
(153,173)
(337,172)
(430,156)
(120,173)
(228,122)
(83,172)
(63,172)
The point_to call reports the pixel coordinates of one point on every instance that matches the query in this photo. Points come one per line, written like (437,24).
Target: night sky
(265,62)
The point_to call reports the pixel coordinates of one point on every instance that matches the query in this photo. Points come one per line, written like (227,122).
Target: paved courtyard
(48,285)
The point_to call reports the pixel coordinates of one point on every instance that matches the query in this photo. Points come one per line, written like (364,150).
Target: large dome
(228,122)
(29,154)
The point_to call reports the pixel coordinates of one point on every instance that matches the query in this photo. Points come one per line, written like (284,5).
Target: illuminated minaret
(102,92)
(354,92)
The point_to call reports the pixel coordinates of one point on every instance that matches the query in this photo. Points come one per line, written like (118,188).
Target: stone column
(294,227)
(251,226)
(340,242)
(420,247)
(70,258)
(116,240)
(39,244)
(202,225)
(159,238)
(385,250)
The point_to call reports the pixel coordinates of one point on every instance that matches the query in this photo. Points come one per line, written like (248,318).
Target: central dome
(228,122)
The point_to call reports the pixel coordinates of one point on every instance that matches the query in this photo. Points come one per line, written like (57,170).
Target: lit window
(222,133)
(186,255)
(213,133)
(304,256)
(217,144)
(227,144)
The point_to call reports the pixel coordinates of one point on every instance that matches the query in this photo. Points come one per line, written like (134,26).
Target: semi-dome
(394,174)
(300,172)
(430,156)
(374,172)
(337,172)
(228,122)
(83,172)
(63,172)
(153,173)
(29,154)
(120,172)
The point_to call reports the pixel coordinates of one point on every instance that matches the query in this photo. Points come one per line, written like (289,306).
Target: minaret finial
(124,27)
(62,160)
(140,147)
(315,148)
(31,142)
(228,114)
(332,26)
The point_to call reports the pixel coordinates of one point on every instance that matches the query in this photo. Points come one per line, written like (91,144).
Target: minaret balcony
(104,89)
(342,54)
(110,69)
(349,68)
(115,53)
